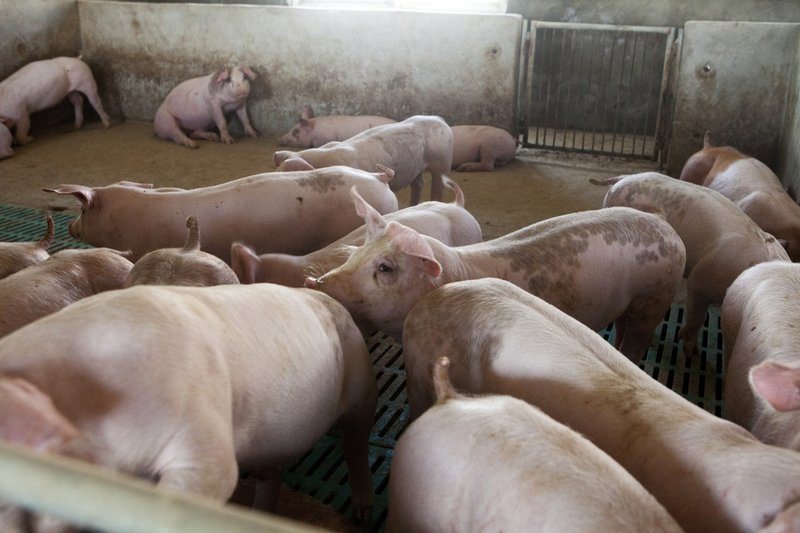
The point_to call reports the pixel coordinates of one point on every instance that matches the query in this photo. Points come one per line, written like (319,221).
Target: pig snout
(280,156)
(75,228)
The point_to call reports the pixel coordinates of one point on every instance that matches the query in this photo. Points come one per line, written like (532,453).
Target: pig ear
(307,112)
(244,262)
(778,384)
(249,72)
(415,246)
(374,221)
(222,75)
(81,192)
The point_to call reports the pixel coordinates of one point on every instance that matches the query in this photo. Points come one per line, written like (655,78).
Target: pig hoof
(25,140)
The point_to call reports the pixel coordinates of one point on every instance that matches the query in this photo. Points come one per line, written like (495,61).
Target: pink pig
(709,473)
(599,266)
(15,256)
(449,223)
(409,148)
(198,104)
(313,132)
(518,470)
(42,84)
(481,148)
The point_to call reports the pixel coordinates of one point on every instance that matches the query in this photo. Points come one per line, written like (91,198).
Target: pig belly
(39,87)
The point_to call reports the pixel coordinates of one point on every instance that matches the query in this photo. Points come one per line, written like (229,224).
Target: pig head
(15,256)
(313,132)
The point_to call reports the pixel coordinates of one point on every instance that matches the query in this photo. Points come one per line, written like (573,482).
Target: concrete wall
(789,162)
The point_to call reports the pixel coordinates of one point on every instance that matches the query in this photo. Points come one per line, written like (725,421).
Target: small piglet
(187,266)
(518,470)
(419,143)
(313,132)
(481,148)
(449,223)
(721,241)
(199,104)
(66,277)
(185,385)
(752,186)
(600,266)
(760,319)
(709,473)
(15,256)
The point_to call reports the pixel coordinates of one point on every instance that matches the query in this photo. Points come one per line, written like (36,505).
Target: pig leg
(355,445)
(267,489)
(245,120)
(697,302)
(22,128)
(205,135)
(89,88)
(416,190)
(486,163)
(437,186)
(222,124)
(77,102)
(168,128)
(635,327)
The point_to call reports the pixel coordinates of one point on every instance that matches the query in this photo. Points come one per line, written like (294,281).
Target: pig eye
(383,267)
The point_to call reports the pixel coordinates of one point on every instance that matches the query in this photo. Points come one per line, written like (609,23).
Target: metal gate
(598,89)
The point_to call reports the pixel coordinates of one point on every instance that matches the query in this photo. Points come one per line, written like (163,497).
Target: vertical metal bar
(665,76)
(647,79)
(625,132)
(526,85)
(601,88)
(609,73)
(535,81)
(577,80)
(619,90)
(587,69)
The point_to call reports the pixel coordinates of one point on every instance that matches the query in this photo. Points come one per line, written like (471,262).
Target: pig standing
(409,148)
(721,241)
(518,470)
(43,84)
(187,266)
(449,223)
(294,213)
(752,186)
(760,318)
(709,473)
(599,266)
(199,104)
(481,148)
(15,256)
(185,385)
(313,132)
(64,278)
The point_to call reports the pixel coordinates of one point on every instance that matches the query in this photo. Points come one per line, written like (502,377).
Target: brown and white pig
(189,266)
(419,143)
(185,385)
(752,186)
(481,148)
(710,474)
(760,318)
(15,256)
(286,212)
(600,266)
(66,277)
(313,132)
(42,84)
(721,241)
(517,468)
(449,223)
(197,105)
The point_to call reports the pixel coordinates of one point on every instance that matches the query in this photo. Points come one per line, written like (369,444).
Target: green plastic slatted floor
(322,474)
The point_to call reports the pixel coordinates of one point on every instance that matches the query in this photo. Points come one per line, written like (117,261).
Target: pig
(518,470)
(42,84)
(15,256)
(294,213)
(710,474)
(752,186)
(6,140)
(66,277)
(186,385)
(760,317)
(187,266)
(409,147)
(449,223)
(199,104)
(600,266)
(721,241)
(483,148)
(313,132)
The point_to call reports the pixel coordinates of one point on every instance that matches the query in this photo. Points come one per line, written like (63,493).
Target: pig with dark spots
(313,132)
(710,474)
(294,213)
(481,148)
(449,223)
(64,278)
(721,240)
(419,143)
(600,266)
(518,470)
(15,256)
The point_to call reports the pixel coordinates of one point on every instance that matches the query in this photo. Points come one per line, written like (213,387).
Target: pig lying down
(15,256)
(601,266)
(481,148)
(200,104)
(40,85)
(313,132)
(709,473)
(518,470)
(752,186)
(449,223)
(286,212)
(185,385)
